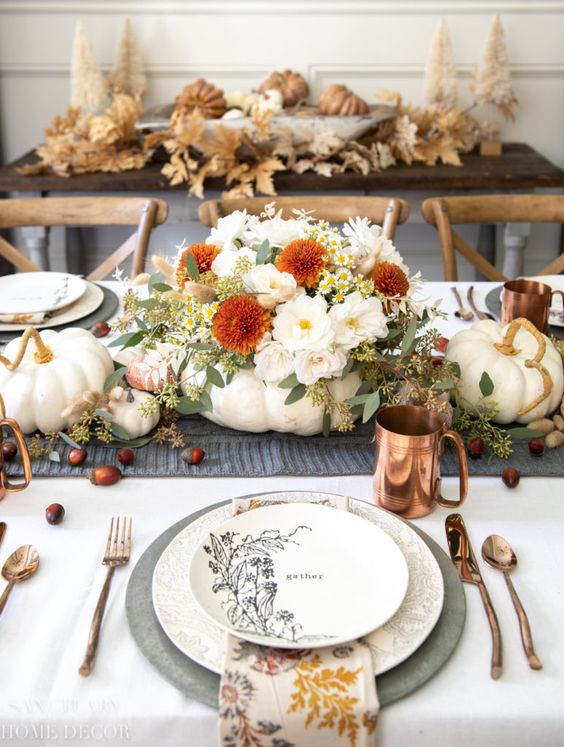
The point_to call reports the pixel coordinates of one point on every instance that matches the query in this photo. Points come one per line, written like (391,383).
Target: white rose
(228,229)
(389,253)
(271,285)
(278,231)
(272,361)
(224,263)
(357,319)
(303,323)
(312,365)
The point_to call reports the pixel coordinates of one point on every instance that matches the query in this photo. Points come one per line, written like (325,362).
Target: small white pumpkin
(524,366)
(126,414)
(249,404)
(36,393)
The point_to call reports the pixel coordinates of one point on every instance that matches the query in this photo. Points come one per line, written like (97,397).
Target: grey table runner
(232,453)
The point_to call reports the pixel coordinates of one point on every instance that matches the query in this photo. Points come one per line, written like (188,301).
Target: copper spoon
(498,553)
(461,312)
(21,564)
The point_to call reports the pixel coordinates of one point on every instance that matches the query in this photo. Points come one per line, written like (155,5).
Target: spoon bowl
(461,312)
(21,564)
(498,553)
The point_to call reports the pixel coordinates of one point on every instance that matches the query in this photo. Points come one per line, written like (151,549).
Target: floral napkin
(270,697)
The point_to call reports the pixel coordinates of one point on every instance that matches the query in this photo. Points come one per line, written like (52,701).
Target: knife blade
(2,530)
(464,560)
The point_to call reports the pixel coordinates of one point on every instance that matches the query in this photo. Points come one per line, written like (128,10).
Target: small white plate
(33,292)
(298,576)
(87,304)
(556,282)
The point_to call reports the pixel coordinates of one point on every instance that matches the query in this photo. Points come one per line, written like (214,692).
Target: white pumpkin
(524,366)
(249,404)
(127,415)
(36,393)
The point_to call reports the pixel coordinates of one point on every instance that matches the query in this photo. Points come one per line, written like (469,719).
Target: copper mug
(409,445)
(5,485)
(529,299)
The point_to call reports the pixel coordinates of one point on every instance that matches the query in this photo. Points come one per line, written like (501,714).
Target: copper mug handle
(5,485)
(463,467)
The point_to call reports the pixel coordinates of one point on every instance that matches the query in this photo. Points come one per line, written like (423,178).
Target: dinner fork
(117,552)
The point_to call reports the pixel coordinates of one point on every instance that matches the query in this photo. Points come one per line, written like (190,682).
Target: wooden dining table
(520,168)
(44,627)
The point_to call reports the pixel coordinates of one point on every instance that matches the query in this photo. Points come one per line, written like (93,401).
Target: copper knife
(465,563)
(2,530)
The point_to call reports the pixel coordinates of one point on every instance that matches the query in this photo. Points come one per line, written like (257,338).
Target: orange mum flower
(304,259)
(240,323)
(204,254)
(389,279)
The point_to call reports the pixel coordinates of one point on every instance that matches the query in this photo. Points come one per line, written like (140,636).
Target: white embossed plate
(298,575)
(33,292)
(203,641)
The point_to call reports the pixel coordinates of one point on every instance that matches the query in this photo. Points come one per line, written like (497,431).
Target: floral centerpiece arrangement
(290,325)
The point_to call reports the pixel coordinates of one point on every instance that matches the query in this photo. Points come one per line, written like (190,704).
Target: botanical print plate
(193,633)
(91,300)
(33,292)
(298,575)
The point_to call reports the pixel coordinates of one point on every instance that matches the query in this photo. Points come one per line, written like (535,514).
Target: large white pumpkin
(249,404)
(36,393)
(524,366)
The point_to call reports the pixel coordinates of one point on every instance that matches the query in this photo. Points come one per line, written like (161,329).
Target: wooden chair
(385,211)
(445,212)
(139,212)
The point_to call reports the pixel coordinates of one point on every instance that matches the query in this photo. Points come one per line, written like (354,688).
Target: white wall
(368,44)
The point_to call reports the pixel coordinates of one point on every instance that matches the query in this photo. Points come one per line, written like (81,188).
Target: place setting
(51,300)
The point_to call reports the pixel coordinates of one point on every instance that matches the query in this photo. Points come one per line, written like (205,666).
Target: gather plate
(35,292)
(298,575)
(203,641)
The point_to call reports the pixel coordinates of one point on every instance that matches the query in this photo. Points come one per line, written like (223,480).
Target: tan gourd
(292,86)
(338,100)
(202,97)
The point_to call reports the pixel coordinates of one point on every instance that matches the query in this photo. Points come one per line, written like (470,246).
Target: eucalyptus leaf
(524,434)
(161,287)
(358,399)
(156,277)
(133,443)
(444,385)
(455,368)
(69,440)
(229,377)
(149,304)
(214,377)
(206,401)
(295,394)
(192,266)
(129,340)
(54,456)
(289,382)
(370,406)
(411,331)
(120,432)
(103,414)
(486,384)
(263,253)
(114,378)
(348,366)
(187,406)
(141,324)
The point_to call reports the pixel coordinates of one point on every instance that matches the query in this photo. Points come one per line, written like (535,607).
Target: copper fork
(117,552)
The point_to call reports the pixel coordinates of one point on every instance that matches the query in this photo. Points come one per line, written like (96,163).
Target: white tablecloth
(44,626)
